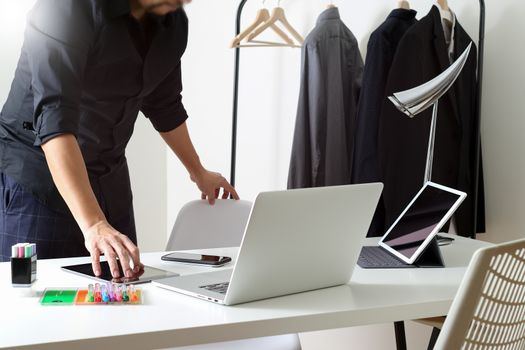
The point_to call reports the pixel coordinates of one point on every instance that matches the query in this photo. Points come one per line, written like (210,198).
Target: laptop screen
(419,220)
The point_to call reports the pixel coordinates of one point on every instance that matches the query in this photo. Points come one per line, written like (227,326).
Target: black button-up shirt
(331,71)
(87,68)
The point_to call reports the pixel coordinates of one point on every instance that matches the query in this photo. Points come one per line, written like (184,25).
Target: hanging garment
(380,53)
(422,54)
(331,77)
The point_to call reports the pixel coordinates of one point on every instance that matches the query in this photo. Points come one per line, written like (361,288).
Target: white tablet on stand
(410,241)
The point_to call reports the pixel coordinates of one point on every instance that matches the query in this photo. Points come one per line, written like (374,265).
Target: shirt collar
(118,8)
(329,14)
(404,14)
(451,16)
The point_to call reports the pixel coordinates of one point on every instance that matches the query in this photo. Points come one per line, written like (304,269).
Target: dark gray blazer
(331,78)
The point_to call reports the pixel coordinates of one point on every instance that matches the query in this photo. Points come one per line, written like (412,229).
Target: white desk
(170,319)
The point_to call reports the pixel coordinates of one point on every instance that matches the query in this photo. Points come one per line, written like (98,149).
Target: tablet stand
(377,257)
(431,256)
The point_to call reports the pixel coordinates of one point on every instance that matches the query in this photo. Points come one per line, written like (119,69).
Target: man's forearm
(180,143)
(210,183)
(68,169)
(69,173)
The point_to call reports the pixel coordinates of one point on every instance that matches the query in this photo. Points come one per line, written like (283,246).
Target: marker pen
(132,293)
(98,295)
(14,251)
(21,252)
(27,251)
(125,296)
(109,287)
(24,245)
(33,248)
(90,294)
(104,293)
(116,294)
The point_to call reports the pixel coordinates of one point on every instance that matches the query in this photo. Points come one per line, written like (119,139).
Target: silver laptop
(294,241)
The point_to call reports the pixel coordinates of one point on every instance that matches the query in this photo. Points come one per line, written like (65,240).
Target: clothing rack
(477,119)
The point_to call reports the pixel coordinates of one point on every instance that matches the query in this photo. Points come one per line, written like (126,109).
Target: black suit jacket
(380,54)
(421,56)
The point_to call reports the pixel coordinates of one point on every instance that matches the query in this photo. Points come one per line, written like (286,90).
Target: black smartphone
(198,259)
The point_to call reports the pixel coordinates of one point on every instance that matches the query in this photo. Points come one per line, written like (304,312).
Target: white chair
(199,226)
(488,311)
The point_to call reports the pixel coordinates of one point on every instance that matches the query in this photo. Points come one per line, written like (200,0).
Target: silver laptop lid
(301,240)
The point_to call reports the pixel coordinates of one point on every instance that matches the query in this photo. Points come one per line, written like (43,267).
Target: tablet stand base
(431,257)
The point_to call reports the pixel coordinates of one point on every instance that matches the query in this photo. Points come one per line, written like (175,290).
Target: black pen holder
(23,271)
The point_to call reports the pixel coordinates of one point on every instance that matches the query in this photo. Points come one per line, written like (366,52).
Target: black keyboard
(217,287)
(376,257)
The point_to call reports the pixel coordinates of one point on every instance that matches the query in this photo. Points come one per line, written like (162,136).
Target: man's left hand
(210,184)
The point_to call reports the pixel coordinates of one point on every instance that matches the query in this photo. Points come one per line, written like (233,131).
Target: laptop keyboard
(376,257)
(220,288)
(370,257)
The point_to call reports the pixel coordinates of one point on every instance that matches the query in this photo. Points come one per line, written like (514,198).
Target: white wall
(269,89)
(504,121)
(12,23)
(146,153)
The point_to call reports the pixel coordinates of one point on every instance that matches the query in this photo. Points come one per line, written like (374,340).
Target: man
(86,69)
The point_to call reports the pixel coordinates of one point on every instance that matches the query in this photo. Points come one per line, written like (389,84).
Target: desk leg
(433,338)
(401,341)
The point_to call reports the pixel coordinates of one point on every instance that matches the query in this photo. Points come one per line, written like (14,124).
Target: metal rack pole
(236,94)
(477,119)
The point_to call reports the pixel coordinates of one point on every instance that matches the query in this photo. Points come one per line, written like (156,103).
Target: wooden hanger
(403,4)
(278,15)
(331,5)
(263,15)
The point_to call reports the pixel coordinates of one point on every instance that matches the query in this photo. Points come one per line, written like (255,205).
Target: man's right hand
(67,166)
(102,238)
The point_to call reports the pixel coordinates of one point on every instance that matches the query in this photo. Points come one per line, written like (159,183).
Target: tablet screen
(420,220)
(148,275)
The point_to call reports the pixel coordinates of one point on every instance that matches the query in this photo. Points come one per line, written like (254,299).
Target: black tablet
(149,273)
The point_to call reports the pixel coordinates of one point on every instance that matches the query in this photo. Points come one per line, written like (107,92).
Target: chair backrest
(200,225)
(488,311)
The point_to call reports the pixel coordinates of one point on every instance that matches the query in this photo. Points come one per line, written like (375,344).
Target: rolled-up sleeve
(163,107)
(58,38)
